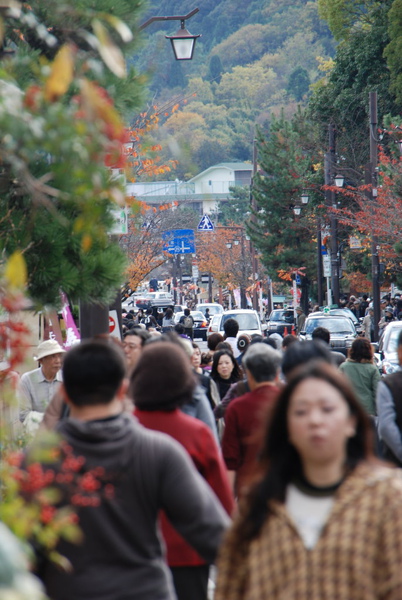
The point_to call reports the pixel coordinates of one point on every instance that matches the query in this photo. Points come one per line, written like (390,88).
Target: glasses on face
(131,346)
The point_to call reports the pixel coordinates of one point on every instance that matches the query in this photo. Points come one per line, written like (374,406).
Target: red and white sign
(114,328)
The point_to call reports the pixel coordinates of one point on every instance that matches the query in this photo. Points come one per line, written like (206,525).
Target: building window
(242,177)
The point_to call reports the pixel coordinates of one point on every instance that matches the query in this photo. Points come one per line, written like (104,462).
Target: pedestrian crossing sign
(205,224)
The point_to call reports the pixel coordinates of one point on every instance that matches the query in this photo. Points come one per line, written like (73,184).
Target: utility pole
(252,248)
(331,202)
(320,295)
(372,175)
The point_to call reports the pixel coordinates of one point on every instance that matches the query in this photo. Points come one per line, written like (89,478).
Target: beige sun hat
(47,348)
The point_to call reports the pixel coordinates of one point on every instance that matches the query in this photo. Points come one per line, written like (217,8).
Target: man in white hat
(38,387)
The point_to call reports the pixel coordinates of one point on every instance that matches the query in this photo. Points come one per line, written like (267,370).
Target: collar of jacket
(364,475)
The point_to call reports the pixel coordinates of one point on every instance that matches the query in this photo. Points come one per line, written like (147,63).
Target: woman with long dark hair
(225,371)
(324,518)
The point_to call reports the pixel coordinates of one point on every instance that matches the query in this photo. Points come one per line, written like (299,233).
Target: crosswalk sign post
(205,224)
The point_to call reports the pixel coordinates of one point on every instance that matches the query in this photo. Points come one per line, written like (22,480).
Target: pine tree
(285,156)
(60,131)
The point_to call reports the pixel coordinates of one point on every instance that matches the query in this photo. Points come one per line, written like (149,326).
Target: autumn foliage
(231,267)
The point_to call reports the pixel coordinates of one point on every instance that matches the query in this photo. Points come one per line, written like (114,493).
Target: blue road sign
(205,224)
(179,241)
(298,279)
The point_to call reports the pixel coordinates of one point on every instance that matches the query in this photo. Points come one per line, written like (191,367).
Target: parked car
(387,348)
(213,307)
(158,299)
(130,302)
(340,312)
(200,323)
(249,322)
(279,320)
(342,330)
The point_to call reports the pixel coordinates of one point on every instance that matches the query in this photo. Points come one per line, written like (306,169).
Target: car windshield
(281,315)
(213,310)
(245,321)
(392,341)
(333,325)
(345,311)
(197,315)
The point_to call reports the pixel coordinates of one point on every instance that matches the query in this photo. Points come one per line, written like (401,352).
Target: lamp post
(330,196)
(371,177)
(241,243)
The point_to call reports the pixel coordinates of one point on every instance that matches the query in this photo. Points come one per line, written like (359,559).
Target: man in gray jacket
(389,409)
(121,557)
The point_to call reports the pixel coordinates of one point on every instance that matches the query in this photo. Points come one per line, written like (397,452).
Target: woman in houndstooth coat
(323,520)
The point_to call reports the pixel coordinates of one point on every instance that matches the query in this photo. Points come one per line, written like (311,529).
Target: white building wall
(216,181)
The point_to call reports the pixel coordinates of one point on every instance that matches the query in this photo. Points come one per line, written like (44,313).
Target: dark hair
(186,312)
(361,349)
(288,340)
(236,373)
(231,328)
(179,328)
(171,387)
(321,333)
(302,352)
(224,346)
(280,462)
(93,372)
(138,332)
(269,342)
(168,313)
(206,358)
(213,340)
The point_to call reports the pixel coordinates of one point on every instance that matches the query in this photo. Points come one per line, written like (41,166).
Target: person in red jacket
(244,414)
(157,400)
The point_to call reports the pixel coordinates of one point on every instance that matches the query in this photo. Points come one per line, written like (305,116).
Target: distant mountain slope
(253,58)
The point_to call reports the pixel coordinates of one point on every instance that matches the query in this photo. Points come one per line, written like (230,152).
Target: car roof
(209,304)
(236,311)
(320,315)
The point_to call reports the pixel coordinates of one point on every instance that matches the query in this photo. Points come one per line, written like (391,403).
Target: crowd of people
(276,459)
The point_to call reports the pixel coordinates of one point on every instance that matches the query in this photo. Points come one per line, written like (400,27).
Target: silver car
(341,329)
(387,348)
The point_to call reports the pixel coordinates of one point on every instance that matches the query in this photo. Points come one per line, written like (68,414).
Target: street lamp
(183,43)
(236,242)
(304,197)
(339,180)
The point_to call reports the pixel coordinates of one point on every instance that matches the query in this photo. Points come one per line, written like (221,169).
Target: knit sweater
(358,554)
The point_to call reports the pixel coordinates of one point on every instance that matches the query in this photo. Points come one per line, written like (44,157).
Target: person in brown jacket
(324,519)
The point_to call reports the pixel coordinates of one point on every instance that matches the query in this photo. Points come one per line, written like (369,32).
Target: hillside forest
(253,60)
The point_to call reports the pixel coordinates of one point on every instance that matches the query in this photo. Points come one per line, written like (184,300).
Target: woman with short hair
(158,399)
